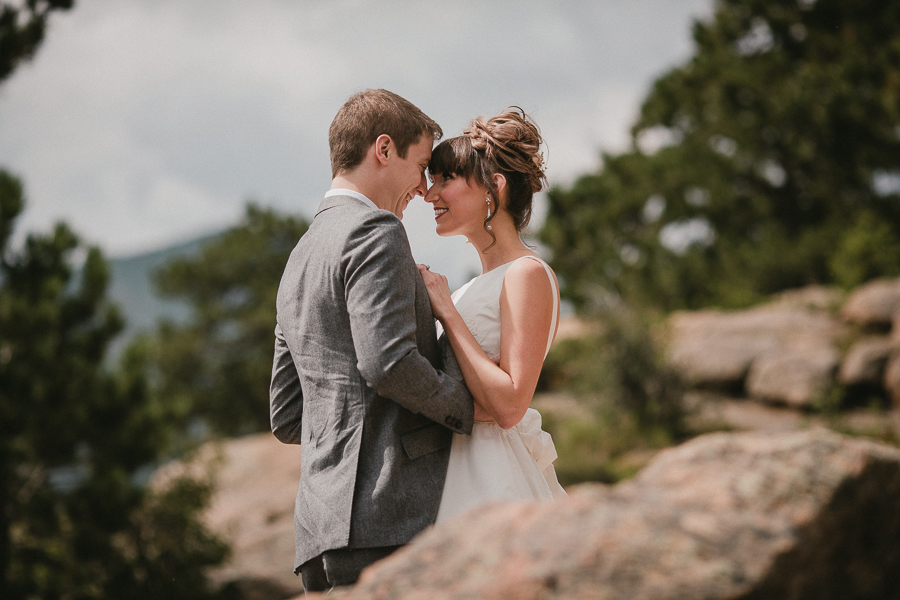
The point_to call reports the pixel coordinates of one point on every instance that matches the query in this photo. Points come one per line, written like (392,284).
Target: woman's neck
(508,245)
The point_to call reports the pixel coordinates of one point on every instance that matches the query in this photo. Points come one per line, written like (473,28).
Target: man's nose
(422,188)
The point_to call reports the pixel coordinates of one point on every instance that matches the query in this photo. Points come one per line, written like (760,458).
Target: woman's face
(459,207)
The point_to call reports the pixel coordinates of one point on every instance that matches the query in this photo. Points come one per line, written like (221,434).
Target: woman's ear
(383,146)
(500,185)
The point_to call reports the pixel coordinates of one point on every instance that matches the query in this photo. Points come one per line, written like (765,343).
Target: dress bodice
(494,464)
(478,303)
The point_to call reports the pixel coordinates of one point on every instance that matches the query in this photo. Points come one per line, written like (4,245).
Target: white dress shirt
(346,192)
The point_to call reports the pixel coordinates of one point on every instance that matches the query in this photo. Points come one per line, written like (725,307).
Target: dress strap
(555,301)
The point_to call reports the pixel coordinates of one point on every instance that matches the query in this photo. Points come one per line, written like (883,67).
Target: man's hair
(369,114)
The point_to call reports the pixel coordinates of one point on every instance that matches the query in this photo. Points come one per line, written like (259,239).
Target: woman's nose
(431,194)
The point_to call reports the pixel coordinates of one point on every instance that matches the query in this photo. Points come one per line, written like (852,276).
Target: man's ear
(384,145)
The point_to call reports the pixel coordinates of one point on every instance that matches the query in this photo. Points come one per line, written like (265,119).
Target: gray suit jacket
(354,381)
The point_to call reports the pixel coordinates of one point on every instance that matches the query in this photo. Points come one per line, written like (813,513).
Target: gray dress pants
(339,567)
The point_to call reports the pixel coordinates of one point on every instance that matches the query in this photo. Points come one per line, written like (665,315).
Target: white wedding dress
(495,464)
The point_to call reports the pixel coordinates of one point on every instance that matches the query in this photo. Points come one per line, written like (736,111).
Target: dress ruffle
(538,442)
(496,464)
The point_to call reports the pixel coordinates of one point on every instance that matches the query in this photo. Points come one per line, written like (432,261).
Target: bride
(501,324)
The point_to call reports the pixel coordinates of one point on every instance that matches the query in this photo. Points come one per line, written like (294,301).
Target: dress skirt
(496,464)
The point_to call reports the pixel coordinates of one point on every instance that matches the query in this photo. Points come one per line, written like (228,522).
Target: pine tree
(78,439)
(769,160)
(218,364)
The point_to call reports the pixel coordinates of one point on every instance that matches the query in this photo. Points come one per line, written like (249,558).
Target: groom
(355,377)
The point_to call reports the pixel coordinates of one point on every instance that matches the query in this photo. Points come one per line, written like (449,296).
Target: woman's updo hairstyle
(509,144)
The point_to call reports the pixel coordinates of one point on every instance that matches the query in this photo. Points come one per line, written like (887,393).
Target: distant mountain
(132,288)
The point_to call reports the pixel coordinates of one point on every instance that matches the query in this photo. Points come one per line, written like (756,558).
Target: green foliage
(633,398)
(623,365)
(75,518)
(867,249)
(218,365)
(22,28)
(10,204)
(168,546)
(775,133)
(607,446)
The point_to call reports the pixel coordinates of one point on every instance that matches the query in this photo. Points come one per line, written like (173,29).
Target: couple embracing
(402,422)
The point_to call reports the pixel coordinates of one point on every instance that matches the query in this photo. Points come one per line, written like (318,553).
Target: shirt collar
(352,194)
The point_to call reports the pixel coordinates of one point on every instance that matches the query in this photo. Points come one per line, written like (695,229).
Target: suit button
(455,423)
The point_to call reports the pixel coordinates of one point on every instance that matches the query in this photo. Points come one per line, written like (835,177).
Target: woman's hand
(438,292)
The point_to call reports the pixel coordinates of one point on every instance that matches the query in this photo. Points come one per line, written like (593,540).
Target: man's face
(407,175)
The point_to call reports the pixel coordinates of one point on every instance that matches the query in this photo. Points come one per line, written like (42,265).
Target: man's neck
(360,184)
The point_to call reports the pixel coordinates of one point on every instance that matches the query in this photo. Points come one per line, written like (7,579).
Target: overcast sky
(142,123)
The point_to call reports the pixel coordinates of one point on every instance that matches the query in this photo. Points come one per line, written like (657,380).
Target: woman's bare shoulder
(526,276)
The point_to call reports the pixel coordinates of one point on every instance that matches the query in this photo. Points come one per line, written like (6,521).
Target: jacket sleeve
(285,394)
(379,283)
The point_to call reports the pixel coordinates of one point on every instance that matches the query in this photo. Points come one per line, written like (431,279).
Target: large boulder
(255,482)
(892,377)
(874,303)
(717,349)
(801,515)
(713,348)
(794,376)
(865,360)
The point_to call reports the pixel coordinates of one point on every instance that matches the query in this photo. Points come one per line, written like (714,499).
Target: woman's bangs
(453,157)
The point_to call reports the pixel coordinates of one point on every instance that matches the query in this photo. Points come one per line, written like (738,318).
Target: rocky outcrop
(892,377)
(875,303)
(784,351)
(255,482)
(795,376)
(711,348)
(794,349)
(801,515)
(865,361)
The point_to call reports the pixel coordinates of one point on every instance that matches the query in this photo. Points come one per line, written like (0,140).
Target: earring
(488,200)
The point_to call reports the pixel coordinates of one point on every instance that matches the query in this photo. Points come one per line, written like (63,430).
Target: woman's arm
(526,305)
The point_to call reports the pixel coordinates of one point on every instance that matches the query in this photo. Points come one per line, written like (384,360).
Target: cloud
(142,123)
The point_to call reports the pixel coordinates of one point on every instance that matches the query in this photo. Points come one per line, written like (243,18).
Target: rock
(713,348)
(573,327)
(874,303)
(716,348)
(252,508)
(865,360)
(796,377)
(892,378)
(713,412)
(816,297)
(801,515)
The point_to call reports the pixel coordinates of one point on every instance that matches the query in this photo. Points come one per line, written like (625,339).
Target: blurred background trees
(79,440)
(218,364)
(22,29)
(770,160)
